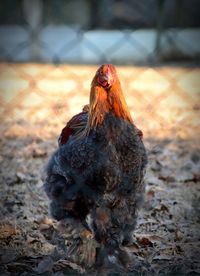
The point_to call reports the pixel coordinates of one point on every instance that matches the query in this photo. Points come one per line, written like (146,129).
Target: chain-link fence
(90,31)
(39,98)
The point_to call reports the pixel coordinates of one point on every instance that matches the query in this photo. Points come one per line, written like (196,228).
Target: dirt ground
(167,237)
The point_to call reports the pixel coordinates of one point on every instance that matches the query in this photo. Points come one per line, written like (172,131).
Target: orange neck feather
(118,104)
(103,102)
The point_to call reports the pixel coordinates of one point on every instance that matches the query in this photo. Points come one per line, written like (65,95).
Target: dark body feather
(100,175)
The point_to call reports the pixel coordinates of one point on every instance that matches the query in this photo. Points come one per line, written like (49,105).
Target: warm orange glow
(103,101)
(117,102)
(99,106)
(161,99)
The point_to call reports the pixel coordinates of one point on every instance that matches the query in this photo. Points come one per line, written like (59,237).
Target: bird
(95,178)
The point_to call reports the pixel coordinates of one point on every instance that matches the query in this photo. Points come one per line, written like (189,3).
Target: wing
(75,125)
(139,132)
(68,172)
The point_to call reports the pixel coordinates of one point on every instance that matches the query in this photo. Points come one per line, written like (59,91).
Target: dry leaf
(162,258)
(178,235)
(44,220)
(150,194)
(133,248)
(144,241)
(45,265)
(7,230)
(161,208)
(60,264)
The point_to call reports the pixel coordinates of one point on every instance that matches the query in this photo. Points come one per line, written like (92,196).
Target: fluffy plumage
(96,175)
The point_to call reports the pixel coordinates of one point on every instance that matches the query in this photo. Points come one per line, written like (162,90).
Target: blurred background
(49,51)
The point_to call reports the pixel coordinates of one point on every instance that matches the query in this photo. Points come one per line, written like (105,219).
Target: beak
(105,78)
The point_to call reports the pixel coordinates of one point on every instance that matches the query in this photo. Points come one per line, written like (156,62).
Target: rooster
(95,177)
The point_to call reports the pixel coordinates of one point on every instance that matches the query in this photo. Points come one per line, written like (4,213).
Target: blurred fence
(91,31)
(38,99)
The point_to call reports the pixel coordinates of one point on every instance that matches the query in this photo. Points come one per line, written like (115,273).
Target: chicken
(96,175)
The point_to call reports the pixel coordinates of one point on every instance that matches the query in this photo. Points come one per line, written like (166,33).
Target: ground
(36,100)
(167,234)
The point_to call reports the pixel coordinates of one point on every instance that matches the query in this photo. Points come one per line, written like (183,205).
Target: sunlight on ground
(35,96)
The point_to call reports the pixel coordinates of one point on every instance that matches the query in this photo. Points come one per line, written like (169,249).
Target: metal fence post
(160,25)
(33,15)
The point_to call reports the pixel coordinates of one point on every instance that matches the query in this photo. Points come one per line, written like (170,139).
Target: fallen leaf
(150,194)
(35,151)
(44,220)
(44,226)
(161,208)
(133,247)
(161,258)
(60,264)
(7,230)
(21,177)
(152,180)
(30,239)
(45,265)
(178,235)
(145,241)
